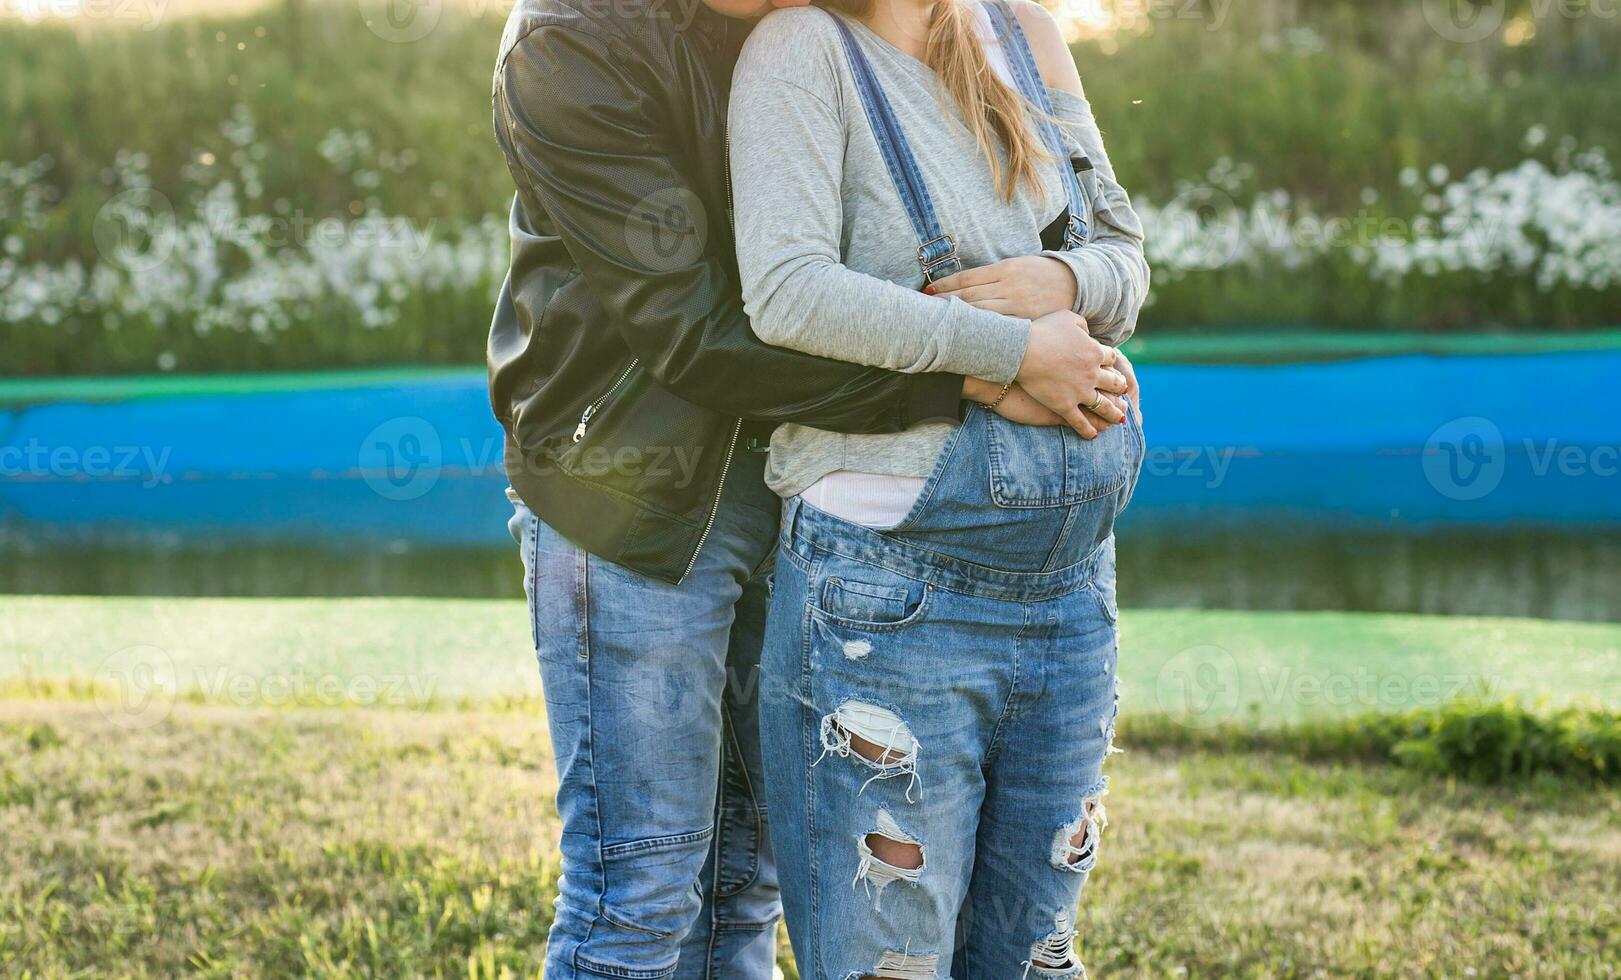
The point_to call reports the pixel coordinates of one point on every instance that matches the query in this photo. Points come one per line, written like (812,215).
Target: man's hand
(1019,407)
(1070,373)
(1028,286)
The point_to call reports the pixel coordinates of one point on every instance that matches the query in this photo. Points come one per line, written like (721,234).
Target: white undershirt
(869,499)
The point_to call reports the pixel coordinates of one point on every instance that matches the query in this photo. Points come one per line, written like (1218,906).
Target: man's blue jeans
(651,692)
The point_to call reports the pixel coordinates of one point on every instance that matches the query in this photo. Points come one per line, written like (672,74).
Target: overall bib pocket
(1052,466)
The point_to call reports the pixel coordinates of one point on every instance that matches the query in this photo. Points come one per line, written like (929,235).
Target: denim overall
(938,698)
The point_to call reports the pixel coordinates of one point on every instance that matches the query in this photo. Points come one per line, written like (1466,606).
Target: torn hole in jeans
(875,736)
(1075,846)
(887,854)
(1053,955)
(898,965)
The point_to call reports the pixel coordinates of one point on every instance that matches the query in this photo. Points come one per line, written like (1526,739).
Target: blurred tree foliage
(1327,101)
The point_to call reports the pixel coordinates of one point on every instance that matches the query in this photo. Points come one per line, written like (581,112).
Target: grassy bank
(196,786)
(229,842)
(1205,668)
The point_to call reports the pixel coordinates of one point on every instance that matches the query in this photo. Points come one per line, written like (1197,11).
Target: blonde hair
(995,113)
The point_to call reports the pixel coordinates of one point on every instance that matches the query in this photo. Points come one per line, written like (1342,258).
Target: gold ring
(1093,408)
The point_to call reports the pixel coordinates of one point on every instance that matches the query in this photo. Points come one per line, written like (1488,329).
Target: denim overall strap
(936,250)
(1022,65)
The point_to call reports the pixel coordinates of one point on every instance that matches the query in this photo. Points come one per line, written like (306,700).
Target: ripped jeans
(650,696)
(937,703)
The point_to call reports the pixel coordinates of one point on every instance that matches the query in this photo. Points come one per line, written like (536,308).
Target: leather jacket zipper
(714,511)
(591,409)
(731,219)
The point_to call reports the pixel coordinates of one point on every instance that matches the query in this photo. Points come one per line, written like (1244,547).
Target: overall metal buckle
(930,265)
(1075,231)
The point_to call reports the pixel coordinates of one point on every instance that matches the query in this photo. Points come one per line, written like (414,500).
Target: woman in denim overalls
(938,694)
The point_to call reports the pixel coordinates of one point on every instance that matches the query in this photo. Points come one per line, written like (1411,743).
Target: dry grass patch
(259,842)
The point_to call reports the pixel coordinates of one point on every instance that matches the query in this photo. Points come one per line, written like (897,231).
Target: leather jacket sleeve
(590,138)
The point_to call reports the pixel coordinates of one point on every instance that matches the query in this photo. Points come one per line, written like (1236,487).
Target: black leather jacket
(621,362)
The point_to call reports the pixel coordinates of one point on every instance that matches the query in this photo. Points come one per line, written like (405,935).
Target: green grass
(246,842)
(194,786)
(1204,668)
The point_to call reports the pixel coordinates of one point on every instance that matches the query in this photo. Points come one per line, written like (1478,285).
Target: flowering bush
(258,190)
(1534,245)
(214,279)
(171,276)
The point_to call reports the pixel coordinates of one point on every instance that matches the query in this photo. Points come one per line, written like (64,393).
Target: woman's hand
(1028,286)
(1071,374)
(1133,390)
(1018,406)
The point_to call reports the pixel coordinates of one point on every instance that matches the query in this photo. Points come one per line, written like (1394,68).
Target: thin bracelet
(1005,389)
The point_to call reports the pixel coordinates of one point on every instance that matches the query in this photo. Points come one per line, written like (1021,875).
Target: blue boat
(1414,441)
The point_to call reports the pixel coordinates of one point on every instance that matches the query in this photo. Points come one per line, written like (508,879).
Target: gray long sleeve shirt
(827,255)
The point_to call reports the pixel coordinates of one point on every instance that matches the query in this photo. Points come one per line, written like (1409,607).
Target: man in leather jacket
(636,401)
